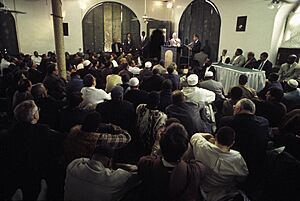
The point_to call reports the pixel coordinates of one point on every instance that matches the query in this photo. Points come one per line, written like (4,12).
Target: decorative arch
(202,17)
(8,34)
(106,21)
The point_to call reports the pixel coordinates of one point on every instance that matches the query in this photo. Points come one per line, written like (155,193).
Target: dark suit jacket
(191,116)
(250,63)
(267,67)
(152,83)
(144,43)
(115,49)
(128,47)
(120,113)
(196,48)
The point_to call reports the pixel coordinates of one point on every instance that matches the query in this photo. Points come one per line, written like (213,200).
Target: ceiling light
(169,5)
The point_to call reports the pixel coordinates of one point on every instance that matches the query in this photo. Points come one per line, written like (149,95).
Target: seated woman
(169,177)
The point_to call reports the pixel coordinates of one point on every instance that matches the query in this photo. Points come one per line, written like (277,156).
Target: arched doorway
(107,21)
(8,35)
(202,17)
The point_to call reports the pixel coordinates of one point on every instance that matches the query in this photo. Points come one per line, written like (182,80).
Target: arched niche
(201,17)
(8,34)
(106,21)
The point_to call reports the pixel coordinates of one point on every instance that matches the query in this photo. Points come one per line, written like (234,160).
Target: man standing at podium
(196,45)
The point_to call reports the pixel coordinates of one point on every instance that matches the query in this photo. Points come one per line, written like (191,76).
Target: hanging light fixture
(274,4)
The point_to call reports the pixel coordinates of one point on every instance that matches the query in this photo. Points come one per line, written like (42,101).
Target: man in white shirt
(36,58)
(90,94)
(94,179)
(225,166)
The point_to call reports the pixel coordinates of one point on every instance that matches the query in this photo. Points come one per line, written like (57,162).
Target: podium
(170,54)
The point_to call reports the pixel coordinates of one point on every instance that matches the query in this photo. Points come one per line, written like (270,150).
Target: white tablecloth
(229,76)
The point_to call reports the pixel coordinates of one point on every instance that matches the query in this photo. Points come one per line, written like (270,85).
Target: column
(59,36)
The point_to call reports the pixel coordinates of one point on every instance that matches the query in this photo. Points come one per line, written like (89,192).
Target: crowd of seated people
(120,128)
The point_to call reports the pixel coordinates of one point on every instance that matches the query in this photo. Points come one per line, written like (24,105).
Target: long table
(229,75)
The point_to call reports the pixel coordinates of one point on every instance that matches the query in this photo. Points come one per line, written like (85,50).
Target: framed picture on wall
(241,23)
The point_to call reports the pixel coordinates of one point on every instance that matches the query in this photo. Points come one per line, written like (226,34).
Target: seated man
(118,111)
(236,94)
(272,109)
(264,64)
(195,94)
(238,59)
(33,151)
(191,115)
(169,177)
(212,85)
(94,178)
(225,166)
(248,92)
(292,96)
(270,84)
(90,94)
(152,83)
(250,63)
(290,69)
(134,94)
(251,135)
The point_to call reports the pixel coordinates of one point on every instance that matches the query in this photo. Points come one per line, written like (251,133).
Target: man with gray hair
(251,135)
(33,152)
(27,112)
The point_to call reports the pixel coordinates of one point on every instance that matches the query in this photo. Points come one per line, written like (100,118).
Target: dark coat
(35,76)
(152,83)
(196,48)
(116,47)
(267,67)
(56,86)
(165,100)
(120,113)
(74,85)
(251,138)
(136,97)
(31,153)
(175,80)
(162,183)
(191,116)
(272,110)
(70,117)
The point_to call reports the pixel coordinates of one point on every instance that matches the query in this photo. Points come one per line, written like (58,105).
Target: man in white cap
(212,85)
(134,94)
(85,70)
(292,96)
(146,72)
(195,94)
(198,95)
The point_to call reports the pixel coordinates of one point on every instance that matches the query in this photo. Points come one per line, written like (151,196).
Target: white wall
(35,31)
